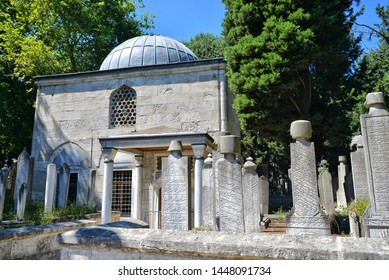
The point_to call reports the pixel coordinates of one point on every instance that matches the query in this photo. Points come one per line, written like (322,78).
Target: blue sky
(183,19)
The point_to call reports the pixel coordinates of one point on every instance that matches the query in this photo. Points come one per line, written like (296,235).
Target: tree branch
(375,31)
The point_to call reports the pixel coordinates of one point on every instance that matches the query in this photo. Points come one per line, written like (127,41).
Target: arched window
(123,107)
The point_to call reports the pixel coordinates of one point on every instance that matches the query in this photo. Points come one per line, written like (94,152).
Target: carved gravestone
(22,195)
(50,187)
(3,187)
(228,180)
(375,133)
(208,194)
(22,174)
(251,197)
(341,201)
(358,168)
(264,195)
(325,189)
(216,155)
(175,189)
(63,185)
(306,216)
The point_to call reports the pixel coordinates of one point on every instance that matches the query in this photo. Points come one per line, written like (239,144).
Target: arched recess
(81,187)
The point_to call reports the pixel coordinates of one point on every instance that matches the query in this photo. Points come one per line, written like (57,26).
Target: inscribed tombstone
(358,168)
(326,192)
(251,197)
(229,183)
(306,216)
(175,193)
(375,132)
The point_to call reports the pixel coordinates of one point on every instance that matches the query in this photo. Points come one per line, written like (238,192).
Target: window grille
(121,192)
(123,107)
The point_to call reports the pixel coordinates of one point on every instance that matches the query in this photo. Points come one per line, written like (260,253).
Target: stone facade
(73,114)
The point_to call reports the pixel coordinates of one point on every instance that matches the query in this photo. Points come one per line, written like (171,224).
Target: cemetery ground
(35,214)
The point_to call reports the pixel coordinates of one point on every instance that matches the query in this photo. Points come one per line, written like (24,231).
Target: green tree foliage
(288,60)
(372,73)
(206,45)
(42,37)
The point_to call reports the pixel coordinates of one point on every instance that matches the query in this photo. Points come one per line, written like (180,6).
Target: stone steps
(274,226)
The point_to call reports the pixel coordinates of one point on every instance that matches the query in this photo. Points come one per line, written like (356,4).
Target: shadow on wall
(50,145)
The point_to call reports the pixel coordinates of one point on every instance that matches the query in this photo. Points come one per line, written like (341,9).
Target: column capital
(109,154)
(138,160)
(199,150)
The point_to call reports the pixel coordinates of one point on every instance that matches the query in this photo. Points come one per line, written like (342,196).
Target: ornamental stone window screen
(123,107)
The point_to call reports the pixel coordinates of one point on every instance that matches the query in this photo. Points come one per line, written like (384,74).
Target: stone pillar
(208,194)
(21,202)
(223,101)
(375,133)
(136,196)
(50,185)
(251,197)
(358,168)
(325,189)
(341,201)
(3,186)
(306,216)
(22,176)
(175,189)
(198,150)
(264,195)
(228,179)
(106,207)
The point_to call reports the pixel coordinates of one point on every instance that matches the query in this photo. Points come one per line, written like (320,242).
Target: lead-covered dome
(147,50)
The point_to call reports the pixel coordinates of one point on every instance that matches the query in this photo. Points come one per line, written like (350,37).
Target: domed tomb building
(149,90)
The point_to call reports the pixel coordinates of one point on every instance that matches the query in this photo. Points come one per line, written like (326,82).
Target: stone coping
(223,245)
(23,232)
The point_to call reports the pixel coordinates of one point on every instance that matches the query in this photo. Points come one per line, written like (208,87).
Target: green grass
(35,214)
(280,213)
(359,206)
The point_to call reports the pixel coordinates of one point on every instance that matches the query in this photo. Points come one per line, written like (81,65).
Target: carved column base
(315,225)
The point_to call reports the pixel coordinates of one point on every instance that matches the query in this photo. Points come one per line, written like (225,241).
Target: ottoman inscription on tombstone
(358,167)
(251,197)
(306,216)
(175,189)
(375,133)
(228,179)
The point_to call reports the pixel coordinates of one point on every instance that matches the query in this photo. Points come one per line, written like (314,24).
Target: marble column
(136,196)
(198,150)
(50,185)
(108,155)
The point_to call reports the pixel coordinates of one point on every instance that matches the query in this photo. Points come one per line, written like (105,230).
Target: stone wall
(112,242)
(35,242)
(73,113)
